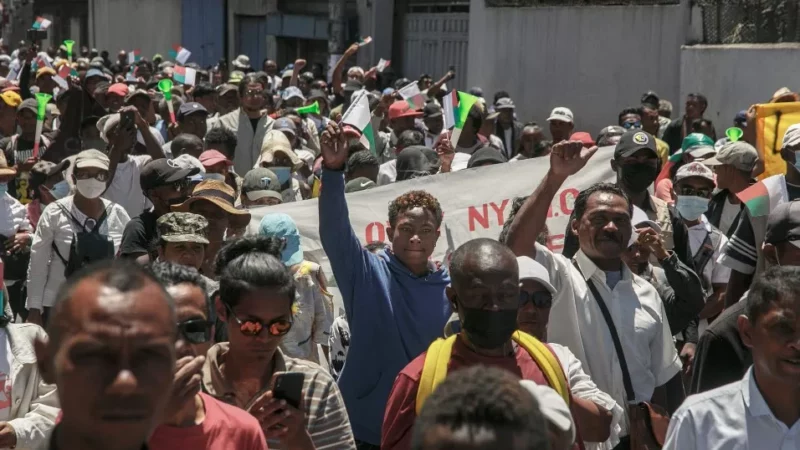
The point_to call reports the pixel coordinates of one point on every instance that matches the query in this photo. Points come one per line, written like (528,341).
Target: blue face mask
(3,188)
(283,173)
(60,190)
(691,207)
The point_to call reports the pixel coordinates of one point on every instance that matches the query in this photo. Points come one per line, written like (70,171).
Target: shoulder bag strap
(626,376)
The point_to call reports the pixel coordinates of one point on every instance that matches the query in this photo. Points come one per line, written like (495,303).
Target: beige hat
(274,142)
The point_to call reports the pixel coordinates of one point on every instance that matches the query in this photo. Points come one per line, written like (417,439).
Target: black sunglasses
(196,331)
(540,299)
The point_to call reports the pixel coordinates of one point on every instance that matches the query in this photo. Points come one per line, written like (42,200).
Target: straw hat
(220,194)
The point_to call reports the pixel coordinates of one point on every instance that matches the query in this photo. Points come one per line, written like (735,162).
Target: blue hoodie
(393,314)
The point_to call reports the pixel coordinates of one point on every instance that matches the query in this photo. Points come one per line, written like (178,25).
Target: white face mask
(91,188)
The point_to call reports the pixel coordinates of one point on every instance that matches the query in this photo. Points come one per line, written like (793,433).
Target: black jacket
(516,137)
(714,212)
(721,357)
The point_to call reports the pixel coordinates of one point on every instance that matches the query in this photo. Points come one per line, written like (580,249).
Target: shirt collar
(753,399)
(589,268)
(703,223)
(214,382)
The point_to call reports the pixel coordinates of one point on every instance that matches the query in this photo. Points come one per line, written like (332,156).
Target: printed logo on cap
(641,138)
(173,164)
(264,182)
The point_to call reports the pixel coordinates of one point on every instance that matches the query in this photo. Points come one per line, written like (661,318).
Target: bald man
(485,293)
(111,353)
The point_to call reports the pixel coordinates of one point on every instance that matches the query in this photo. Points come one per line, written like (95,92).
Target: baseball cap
(352,86)
(432,110)
(137,93)
(584,137)
(221,195)
(402,109)
(275,141)
(261,182)
(486,155)
(739,154)
(359,184)
(236,77)
(505,103)
(633,141)
(317,94)
(741,118)
(91,158)
(183,227)
(791,138)
(28,104)
(694,140)
(212,157)
(650,100)
(162,172)
(45,71)
(783,224)
(223,89)
(292,92)
(190,108)
(639,218)
(476,91)
(282,226)
(118,89)
(692,170)
(285,124)
(95,73)
(553,407)
(529,269)
(561,114)
(11,98)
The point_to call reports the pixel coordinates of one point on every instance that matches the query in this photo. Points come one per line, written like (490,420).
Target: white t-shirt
(729,213)
(387,172)
(6,359)
(125,189)
(713,272)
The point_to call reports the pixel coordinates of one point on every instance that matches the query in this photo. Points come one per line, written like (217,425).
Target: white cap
(694,169)
(640,218)
(532,270)
(792,136)
(562,115)
(553,407)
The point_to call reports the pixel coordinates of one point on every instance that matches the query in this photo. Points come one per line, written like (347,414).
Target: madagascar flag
(762,197)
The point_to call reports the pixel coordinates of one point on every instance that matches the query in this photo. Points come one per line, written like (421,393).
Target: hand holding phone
(289,386)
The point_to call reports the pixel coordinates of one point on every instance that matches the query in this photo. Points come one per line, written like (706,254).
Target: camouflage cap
(183,227)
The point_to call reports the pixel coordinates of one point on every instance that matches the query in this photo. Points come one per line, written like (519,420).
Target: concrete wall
(151,26)
(733,77)
(595,60)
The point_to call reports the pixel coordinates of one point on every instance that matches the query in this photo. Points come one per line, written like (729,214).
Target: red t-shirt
(401,408)
(225,427)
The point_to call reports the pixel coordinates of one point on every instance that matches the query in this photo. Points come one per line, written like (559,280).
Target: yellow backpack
(435,369)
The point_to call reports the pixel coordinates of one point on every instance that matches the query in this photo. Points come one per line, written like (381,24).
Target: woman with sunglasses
(194,419)
(255,300)
(591,406)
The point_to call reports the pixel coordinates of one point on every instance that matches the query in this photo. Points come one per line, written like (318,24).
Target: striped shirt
(326,417)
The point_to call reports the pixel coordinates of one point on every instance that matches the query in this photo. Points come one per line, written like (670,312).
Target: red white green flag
(185,75)
(412,95)
(762,197)
(180,54)
(134,56)
(358,116)
(41,23)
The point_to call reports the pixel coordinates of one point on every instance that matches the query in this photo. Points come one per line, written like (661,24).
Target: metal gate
(433,43)
(203,30)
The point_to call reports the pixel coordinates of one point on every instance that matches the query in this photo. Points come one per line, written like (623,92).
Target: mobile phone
(35,35)
(127,119)
(289,386)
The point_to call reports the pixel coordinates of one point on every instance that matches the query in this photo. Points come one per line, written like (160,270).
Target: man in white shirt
(762,411)
(53,256)
(16,233)
(603,225)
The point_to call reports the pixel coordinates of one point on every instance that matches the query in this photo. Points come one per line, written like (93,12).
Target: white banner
(475,202)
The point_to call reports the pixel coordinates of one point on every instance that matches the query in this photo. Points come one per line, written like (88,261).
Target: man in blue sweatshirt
(394,300)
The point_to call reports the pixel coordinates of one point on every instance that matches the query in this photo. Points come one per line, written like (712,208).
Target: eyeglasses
(277,327)
(690,191)
(253,93)
(99,176)
(196,331)
(540,299)
(180,185)
(629,125)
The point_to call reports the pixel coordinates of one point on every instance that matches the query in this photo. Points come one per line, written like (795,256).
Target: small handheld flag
(134,56)
(41,24)
(41,112)
(69,43)
(412,95)
(310,109)
(365,41)
(761,198)
(165,86)
(359,117)
(61,78)
(383,64)
(185,75)
(457,105)
(180,54)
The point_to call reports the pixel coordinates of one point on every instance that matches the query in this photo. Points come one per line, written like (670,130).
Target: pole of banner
(41,112)
(165,86)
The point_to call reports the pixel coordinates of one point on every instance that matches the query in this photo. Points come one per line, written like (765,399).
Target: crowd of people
(174,320)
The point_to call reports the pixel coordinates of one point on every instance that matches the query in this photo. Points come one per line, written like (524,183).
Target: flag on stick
(134,56)
(41,24)
(180,54)
(358,116)
(365,41)
(383,64)
(457,105)
(412,95)
(185,75)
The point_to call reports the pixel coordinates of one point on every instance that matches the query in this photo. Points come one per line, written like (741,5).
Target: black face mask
(489,329)
(637,177)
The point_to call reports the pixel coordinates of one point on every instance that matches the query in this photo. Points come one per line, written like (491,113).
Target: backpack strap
(435,368)
(69,214)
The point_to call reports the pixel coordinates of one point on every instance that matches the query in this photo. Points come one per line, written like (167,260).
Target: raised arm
(433,91)
(339,68)
(566,159)
(298,66)
(154,149)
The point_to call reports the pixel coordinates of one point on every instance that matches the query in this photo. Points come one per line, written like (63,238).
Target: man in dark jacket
(508,129)
(733,167)
(678,129)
